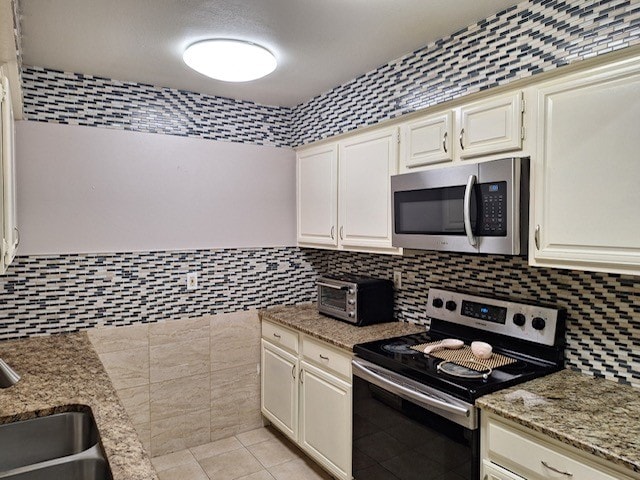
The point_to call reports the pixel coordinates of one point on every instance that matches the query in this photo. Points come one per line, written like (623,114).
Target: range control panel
(525,321)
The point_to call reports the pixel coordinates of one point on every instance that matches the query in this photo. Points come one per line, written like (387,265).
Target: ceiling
(319,44)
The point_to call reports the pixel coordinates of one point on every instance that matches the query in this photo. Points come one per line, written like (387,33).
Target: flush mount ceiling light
(230,60)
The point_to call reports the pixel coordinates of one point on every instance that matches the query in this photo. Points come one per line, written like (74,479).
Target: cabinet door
(491,126)
(426,141)
(365,167)
(9,231)
(279,388)
(587,171)
(491,471)
(325,419)
(317,195)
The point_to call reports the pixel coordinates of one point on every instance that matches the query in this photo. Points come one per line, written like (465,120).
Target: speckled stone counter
(306,319)
(63,373)
(595,415)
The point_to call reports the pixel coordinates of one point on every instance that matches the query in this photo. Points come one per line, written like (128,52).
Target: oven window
(433,211)
(334,298)
(394,439)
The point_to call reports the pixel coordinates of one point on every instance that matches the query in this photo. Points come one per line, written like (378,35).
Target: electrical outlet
(192,281)
(397,279)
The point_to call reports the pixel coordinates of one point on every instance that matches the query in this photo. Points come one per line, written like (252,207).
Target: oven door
(405,430)
(337,299)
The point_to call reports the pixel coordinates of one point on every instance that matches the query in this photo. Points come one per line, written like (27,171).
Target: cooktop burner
(537,351)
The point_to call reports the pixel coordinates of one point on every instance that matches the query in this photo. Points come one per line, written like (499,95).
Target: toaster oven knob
(451,305)
(519,319)
(538,323)
(351,301)
(351,314)
(437,302)
(351,291)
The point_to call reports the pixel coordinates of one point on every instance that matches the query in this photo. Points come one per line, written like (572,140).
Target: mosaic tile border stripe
(531,37)
(77,99)
(603,328)
(43,295)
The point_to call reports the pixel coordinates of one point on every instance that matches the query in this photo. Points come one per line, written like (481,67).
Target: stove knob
(519,319)
(437,302)
(538,323)
(451,305)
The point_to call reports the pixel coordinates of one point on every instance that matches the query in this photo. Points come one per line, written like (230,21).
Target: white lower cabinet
(325,419)
(513,452)
(306,393)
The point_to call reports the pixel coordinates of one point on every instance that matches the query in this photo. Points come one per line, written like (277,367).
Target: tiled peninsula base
(186,382)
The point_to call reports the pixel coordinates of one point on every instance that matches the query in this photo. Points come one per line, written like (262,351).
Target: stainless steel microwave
(476,208)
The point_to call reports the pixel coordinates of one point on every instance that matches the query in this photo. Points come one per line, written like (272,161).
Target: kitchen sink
(64,445)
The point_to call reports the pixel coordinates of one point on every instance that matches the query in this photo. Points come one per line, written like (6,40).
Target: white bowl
(481,350)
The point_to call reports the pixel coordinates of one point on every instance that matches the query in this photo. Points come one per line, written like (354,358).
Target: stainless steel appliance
(412,418)
(354,299)
(477,208)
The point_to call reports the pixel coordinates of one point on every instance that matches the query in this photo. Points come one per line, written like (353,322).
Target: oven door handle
(467,210)
(407,393)
(330,285)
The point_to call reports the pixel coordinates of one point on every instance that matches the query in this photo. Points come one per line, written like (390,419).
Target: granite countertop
(306,319)
(63,373)
(595,415)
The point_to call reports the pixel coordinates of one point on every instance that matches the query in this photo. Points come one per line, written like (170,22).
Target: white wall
(85,189)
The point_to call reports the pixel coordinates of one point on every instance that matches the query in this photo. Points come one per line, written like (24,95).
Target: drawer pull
(546,465)
(293,371)
(323,357)
(302,376)
(277,335)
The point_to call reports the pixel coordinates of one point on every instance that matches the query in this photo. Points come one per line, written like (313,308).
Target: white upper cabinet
(317,195)
(491,125)
(366,163)
(427,141)
(343,193)
(8,231)
(586,190)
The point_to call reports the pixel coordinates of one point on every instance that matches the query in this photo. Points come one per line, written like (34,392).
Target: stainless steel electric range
(413,413)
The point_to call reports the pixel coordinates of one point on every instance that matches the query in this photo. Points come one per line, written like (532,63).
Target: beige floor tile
(181,395)
(182,330)
(171,460)
(114,339)
(261,475)
(216,448)
(179,359)
(231,465)
(256,436)
(301,468)
(273,452)
(127,368)
(184,472)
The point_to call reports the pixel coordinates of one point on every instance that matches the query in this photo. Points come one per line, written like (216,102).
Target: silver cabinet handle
(341,227)
(301,376)
(293,371)
(323,357)
(467,210)
(276,335)
(444,142)
(461,135)
(536,237)
(546,465)
(332,228)
(17,236)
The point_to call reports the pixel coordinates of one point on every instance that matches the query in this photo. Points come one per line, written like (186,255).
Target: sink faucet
(8,376)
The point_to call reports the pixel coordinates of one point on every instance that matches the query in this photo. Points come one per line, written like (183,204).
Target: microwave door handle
(329,285)
(467,210)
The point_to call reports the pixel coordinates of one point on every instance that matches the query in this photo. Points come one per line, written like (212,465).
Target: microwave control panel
(492,214)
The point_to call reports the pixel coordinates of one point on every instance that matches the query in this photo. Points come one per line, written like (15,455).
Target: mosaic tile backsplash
(603,327)
(531,37)
(43,295)
(77,99)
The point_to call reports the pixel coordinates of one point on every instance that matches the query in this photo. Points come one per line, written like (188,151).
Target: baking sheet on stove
(464,357)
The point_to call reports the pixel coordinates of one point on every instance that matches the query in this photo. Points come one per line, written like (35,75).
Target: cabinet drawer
(326,357)
(280,336)
(532,457)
